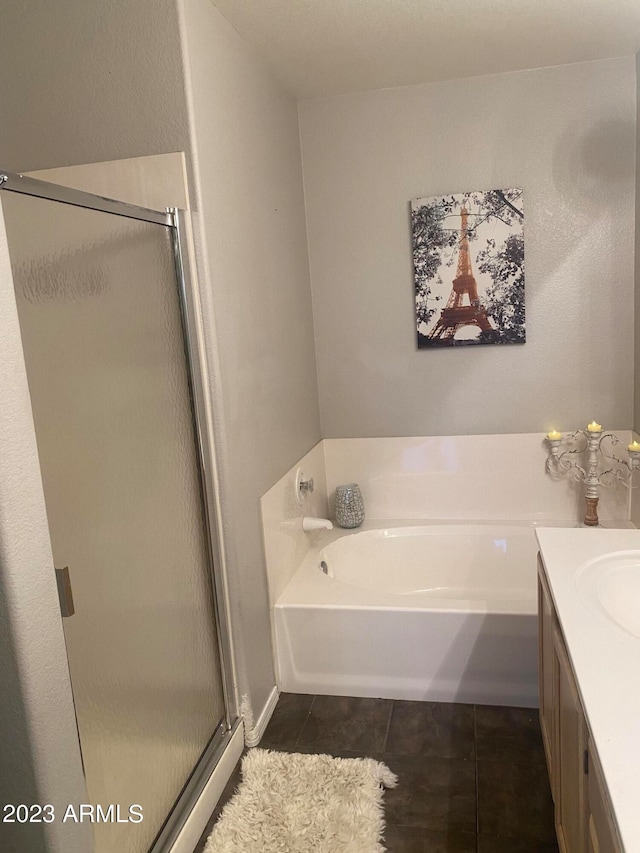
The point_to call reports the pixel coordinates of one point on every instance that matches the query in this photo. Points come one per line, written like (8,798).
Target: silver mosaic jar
(349,510)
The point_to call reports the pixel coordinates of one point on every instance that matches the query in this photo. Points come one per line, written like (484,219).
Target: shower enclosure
(106,318)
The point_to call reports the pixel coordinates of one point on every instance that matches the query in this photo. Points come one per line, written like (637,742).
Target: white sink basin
(610,585)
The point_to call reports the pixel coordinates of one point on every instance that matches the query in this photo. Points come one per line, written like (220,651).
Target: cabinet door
(571,801)
(548,676)
(603,835)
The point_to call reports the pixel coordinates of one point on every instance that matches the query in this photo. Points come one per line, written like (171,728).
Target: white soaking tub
(404,610)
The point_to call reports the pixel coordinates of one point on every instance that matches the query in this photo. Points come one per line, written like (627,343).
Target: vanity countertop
(605,657)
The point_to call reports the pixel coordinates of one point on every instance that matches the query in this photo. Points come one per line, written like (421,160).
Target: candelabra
(595,442)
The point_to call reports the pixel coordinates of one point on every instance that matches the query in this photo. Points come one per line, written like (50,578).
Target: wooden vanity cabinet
(583,817)
(548,674)
(602,834)
(572,757)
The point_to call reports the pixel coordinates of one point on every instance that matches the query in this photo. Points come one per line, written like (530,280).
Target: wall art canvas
(468,257)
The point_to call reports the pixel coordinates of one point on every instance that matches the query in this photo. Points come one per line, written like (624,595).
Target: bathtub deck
(471,777)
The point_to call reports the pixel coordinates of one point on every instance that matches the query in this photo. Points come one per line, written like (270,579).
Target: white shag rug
(290,803)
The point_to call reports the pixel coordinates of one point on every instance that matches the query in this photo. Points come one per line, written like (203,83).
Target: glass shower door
(100,318)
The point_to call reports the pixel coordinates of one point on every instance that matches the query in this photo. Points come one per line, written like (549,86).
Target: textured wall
(250,232)
(84,82)
(566,135)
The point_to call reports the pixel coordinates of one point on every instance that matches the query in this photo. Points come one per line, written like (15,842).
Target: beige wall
(250,232)
(86,81)
(566,135)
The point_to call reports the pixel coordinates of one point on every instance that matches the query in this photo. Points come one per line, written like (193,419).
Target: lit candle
(634,447)
(594,427)
(556,436)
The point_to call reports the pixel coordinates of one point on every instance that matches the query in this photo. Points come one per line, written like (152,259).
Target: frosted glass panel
(104,348)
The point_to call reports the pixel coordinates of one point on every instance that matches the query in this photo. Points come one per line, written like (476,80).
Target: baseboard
(253,734)
(205,804)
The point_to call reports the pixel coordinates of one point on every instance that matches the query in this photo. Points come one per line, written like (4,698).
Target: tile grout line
(386,734)
(306,720)
(475,749)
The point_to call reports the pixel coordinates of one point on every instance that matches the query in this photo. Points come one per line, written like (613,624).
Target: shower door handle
(64,592)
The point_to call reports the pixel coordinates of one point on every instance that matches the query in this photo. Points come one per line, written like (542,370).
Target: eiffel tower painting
(479,236)
(463,306)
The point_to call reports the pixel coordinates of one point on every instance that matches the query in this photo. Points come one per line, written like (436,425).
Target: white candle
(594,427)
(634,447)
(556,436)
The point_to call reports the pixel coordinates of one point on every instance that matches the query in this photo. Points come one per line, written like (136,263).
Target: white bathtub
(437,611)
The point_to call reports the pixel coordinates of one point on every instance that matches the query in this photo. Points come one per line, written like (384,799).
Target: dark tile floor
(472,778)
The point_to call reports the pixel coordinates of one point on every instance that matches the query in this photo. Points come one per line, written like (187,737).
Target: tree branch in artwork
(504,299)
(430,238)
(496,204)
(508,204)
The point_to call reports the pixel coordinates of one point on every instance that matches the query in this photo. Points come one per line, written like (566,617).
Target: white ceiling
(330,47)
